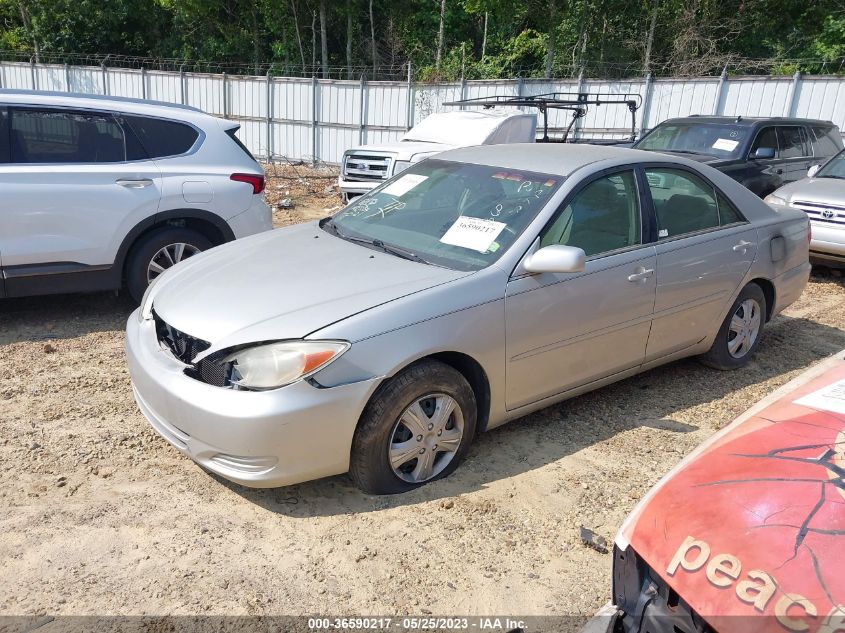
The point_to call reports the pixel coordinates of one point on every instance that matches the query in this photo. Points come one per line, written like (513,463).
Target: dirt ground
(98,515)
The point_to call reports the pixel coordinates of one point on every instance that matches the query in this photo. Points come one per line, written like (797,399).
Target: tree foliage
(482,38)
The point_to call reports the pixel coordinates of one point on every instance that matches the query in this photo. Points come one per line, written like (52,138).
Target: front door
(566,330)
(704,250)
(71,190)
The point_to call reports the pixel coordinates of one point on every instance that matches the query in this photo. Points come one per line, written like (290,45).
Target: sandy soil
(98,515)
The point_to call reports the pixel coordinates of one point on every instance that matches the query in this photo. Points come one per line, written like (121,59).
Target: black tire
(145,248)
(719,355)
(370,468)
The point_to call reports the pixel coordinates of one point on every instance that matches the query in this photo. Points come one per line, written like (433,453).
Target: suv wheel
(157,252)
(416,429)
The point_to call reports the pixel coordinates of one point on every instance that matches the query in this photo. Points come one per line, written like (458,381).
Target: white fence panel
(319,119)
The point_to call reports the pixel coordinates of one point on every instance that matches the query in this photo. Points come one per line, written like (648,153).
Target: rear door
(74,185)
(795,153)
(704,250)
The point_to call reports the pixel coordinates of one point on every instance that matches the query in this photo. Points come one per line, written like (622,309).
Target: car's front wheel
(417,428)
(157,252)
(741,330)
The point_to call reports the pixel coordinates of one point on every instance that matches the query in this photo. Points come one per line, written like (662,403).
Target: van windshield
(457,215)
(711,139)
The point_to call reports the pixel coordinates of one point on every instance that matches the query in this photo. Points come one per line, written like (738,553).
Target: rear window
(64,136)
(232,132)
(162,138)
(826,141)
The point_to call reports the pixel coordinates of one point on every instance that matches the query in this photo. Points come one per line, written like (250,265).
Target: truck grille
(366,167)
(185,348)
(822,212)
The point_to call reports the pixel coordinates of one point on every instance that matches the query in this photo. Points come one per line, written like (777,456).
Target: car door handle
(134,183)
(742,246)
(641,275)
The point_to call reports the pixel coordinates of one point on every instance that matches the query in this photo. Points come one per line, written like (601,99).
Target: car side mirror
(556,258)
(764,153)
(813,171)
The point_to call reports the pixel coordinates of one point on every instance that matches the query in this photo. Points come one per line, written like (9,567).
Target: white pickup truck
(367,166)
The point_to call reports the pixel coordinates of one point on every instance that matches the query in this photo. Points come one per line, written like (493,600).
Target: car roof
(742,121)
(560,159)
(101,102)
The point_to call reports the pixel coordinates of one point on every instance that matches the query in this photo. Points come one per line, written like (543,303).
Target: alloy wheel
(168,256)
(426,438)
(744,329)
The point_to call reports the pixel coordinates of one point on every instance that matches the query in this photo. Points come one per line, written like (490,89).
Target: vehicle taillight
(256,180)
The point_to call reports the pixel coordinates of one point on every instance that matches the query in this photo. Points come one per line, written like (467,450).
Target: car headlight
(274,365)
(401,165)
(775,200)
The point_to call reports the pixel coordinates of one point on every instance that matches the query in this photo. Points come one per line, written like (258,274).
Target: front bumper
(356,187)
(828,242)
(257,439)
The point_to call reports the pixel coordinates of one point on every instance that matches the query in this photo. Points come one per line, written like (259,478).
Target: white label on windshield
(476,234)
(830,398)
(725,144)
(404,184)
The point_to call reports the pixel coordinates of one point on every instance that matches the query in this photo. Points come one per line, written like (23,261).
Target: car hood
(283,284)
(767,493)
(820,190)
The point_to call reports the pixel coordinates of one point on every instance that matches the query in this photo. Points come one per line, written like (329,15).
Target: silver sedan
(467,291)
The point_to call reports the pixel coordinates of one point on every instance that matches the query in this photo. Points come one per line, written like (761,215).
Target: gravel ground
(101,516)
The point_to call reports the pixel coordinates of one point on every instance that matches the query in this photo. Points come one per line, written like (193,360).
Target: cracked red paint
(753,523)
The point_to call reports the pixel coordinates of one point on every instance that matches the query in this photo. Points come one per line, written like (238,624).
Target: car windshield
(722,141)
(450,214)
(834,168)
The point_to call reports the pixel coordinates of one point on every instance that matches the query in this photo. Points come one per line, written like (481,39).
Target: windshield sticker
(404,184)
(830,398)
(476,234)
(725,144)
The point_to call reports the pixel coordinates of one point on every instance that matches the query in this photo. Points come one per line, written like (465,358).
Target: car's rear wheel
(741,331)
(157,252)
(417,428)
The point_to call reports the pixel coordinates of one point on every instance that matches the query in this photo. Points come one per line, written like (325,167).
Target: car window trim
(5,136)
(716,190)
(116,114)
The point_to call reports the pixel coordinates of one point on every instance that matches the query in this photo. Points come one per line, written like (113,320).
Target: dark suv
(762,154)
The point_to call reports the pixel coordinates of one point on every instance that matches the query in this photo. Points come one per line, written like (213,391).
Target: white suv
(100,193)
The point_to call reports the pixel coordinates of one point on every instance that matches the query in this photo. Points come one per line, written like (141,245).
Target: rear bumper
(256,219)
(257,439)
(789,286)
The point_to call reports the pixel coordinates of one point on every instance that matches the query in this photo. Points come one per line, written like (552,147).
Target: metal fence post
(2,85)
(314,120)
(463,91)
(182,84)
(645,108)
(363,122)
(34,76)
(105,72)
(579,121)
(720,90)
(269,117)
(792,99)
(409,106)
(143,82)
(225,95)
(67,78)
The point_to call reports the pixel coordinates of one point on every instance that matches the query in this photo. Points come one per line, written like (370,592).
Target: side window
(62,136)
(4,136)
(766,138)
(162,138)
(791,140)
(683,202)
(728,213)
(824,143)
(604,216)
